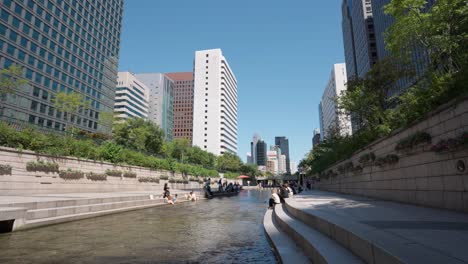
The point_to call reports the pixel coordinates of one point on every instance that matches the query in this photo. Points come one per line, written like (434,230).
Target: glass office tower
(61,46)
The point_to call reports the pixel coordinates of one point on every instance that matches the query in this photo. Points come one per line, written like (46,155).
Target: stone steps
(372,245)
(318,247)
(73,217)
(284,247)
(87,208)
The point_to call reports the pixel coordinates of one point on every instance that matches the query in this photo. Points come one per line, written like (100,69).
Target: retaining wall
(22,181)
(421,176)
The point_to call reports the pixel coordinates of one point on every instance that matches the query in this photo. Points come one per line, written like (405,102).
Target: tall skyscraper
(161,101)
(183,104)
(331,119)
(283,143)
(61,46)
(316,138)
(261,153)
(358,37)
(253,148)
(215,103)
(131,97)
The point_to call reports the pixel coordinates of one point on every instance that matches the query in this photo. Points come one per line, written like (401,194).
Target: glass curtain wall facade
(283,143)
(61,46)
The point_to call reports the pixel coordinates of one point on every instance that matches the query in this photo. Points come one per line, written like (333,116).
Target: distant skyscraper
(215,103)
(131,97)
(316,138)
(249,158)
(358,37)
(183,104)
(161,102)
(272,161)
(253,148)
(283,143)
(261,153)
(62,46)
(330,118)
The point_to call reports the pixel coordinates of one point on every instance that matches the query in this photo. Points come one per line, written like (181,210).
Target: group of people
(227,187)
(284,191)
(168,198)
(222,186)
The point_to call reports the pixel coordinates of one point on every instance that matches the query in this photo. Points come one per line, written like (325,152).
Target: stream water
(221,230)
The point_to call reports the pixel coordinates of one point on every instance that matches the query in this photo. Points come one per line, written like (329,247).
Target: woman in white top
(275,199)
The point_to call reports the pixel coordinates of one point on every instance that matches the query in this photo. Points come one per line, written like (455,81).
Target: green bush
(164,177)
(368,157)
(172,181)
(185,181)
(413,141)
(114,173)
(5,169)
(148,179)
(96,176)
(42,166)
(130,174)
(390,159)
(71,174)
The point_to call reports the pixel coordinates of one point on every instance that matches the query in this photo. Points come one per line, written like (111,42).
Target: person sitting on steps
(274,200)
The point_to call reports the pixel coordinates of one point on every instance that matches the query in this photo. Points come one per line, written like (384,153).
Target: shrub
(200,182)
(413,141)
(5,170)
(96,176)
(172,180)
(368,157)
(42,166)
(390,159)
(179,181)
(71,174)
(148,179)
(114,173)
(341,168)
(185,181)
(164,177)
(348,166)
(193,179)
(130,174)
(447,145)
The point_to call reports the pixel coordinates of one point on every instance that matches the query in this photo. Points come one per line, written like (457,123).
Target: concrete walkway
(410,233)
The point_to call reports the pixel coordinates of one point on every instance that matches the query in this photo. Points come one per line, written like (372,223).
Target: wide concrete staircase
(53,211)
(295,241)
(334,232)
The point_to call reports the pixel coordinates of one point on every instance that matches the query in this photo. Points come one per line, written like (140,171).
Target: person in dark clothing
(283,193)
(166,192)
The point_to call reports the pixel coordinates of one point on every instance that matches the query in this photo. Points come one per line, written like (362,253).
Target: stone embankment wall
(428,174)
(21,181)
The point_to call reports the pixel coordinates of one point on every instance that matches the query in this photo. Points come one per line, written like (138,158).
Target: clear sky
(281,52)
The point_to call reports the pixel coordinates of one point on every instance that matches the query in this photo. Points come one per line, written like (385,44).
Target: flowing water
(221,230)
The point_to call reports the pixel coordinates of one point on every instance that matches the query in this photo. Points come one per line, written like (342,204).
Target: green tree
(228,162)
(139,134)
(441,31)
(11,79)
(177,149)
(198,156)
(249,169)
(70,104)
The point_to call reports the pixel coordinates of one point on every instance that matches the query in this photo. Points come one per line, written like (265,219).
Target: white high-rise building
(215,103)
(293,167)
(272,161)
(131,97)
(282,164)
(330,118)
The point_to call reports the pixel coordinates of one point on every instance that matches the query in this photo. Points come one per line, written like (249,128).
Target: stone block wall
(22,181)
(421,176)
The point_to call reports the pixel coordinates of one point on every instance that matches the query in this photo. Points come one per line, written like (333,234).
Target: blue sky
(281,52)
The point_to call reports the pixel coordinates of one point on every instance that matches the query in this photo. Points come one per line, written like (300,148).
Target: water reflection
(223,230)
